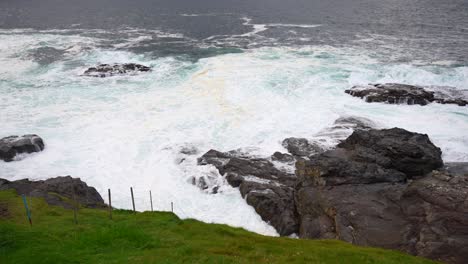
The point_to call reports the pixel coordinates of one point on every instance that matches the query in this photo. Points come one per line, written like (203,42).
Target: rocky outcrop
(107,70)
(266,188)
(412,154)
(395,93)
(425,217)
(379,187)
(56,191)
(11,146)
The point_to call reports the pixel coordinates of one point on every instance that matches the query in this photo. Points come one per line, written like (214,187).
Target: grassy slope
(157,237)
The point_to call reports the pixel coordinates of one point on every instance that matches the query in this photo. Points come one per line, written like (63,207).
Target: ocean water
(249,83)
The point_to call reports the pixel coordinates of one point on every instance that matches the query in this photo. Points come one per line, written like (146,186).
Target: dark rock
(372,156)
(215,158)
(106,70)
(301,147)
(54,189)
(337,167)
(411,153)
(14,145)
(395,93)
(283,157)
(392,93)
(378,188)
(427,217)
(266,188)
(274,203)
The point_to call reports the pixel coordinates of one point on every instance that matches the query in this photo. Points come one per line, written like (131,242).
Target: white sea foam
(124,131)
(257,28)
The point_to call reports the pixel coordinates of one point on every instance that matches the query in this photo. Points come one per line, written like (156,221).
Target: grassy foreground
(158,237)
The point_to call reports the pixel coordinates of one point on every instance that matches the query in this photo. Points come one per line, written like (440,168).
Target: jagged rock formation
(386,188)
(266,188)
(267,184)
(53,190)
(11,146)
(395,93)
(107,70)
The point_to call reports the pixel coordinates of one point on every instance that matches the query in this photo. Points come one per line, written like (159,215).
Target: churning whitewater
(146,131)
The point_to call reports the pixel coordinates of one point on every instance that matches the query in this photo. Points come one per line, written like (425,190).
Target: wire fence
(75,205)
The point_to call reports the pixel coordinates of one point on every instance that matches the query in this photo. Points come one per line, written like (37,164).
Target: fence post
(151,200)
(172,207)
(110,204)
(28,213)
(133,200)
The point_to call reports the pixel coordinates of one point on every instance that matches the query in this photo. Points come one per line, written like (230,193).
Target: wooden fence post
(133,199)
(172,207)
(110,204)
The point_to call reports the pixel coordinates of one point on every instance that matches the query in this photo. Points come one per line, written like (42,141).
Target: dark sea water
(403,30)
(225,75)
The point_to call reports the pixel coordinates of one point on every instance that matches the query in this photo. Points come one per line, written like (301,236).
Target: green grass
(156,237)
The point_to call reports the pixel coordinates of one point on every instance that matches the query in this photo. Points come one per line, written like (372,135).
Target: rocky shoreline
(379,187)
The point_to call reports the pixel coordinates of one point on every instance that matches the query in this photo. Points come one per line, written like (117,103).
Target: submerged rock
(395,93)
(107,70)
(342,128)
(449,95)
(53,190)
(46,55)
(11,146)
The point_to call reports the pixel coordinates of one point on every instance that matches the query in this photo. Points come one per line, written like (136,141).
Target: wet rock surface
(395,93)
(53,190)
(11,146)
(107,70)
(265,187)
(302,147)
(410,153)
(379,187)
